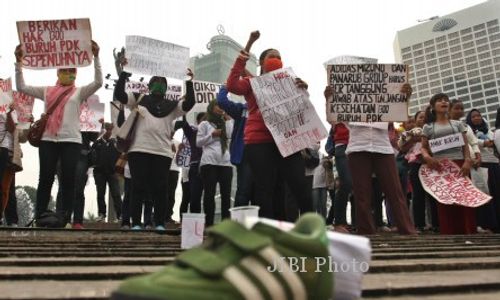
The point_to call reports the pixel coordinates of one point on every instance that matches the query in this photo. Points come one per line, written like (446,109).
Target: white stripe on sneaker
(267,279)
(241,282)
(292,279)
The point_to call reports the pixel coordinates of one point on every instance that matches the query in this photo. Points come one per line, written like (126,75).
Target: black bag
(50,219)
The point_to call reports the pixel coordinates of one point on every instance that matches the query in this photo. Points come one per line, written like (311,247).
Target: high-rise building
(215,66)
(458,54)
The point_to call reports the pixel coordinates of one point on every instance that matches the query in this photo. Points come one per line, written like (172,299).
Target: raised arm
(235,84)
(189,102)
(35,91)
(233,109)
(89,89)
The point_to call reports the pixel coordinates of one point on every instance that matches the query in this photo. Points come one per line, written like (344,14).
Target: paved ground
(89,264)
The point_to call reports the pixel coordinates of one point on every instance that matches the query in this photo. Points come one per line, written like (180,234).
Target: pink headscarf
(55,119)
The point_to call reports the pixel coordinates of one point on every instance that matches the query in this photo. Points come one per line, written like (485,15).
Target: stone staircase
(89,264)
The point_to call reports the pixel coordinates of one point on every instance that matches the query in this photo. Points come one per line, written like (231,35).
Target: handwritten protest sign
(56,43)
(183,155)
(367,93)
(5,95)
(448,187)
(446,142)
(204,92)
(91,112)
(154,57)
(287,111)
(24,107)
(137,87)
(174,91)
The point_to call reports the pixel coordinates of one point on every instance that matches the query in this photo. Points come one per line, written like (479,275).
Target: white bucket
(240,213)
(193,227)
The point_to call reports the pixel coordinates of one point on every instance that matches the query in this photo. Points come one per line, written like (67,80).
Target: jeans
(245,184)
(148,205)
(211,175)
(149,175)
(173,178)
(418,199)
(319,201)
(196,188)
(270,171)
(345,188)
(11,209)
(81,178)
(4,160)
(103,179)
(49,155)
(186,195)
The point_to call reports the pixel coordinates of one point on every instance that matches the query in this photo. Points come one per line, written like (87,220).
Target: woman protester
(215,164)
(487,217)
(453,219)
(369,152)
(410,143)
(269,168)
(150,153)
(62,139)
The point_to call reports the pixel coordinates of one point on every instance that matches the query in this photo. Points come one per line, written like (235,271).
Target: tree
(25,204)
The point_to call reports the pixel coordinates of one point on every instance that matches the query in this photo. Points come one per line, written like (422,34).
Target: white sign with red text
(287,111)
(449,187)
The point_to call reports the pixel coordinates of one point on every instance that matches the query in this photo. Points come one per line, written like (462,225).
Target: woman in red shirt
(269,168)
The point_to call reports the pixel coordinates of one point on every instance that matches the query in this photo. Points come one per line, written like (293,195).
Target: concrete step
(426,283)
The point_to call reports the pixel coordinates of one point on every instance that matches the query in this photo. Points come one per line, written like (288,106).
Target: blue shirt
(237,111)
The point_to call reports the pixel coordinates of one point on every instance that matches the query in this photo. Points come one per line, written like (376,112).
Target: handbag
(126,133)
(36,130)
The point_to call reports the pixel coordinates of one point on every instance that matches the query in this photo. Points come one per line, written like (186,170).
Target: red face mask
(271,64)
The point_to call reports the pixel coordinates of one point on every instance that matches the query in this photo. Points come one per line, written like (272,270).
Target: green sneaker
(238,263)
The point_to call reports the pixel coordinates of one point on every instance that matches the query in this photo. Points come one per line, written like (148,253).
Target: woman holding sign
(369,152)
(265,159)
(453,219)
(62,139)
(150,153)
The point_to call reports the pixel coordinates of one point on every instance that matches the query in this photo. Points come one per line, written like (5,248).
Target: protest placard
(6,96)
(204,92)
(174,91)
(183,155)
(91,112)
(137,87)
(287,111)
(56,43)
(154,57)
(23,105)
(367,93)
(446,142)
(449,187)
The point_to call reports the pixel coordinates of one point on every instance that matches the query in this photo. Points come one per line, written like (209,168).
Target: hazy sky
(307,33)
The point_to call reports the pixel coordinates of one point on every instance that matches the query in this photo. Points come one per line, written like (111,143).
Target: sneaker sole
(120,296)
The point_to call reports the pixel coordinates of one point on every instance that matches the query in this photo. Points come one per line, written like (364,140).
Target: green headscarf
(219,123)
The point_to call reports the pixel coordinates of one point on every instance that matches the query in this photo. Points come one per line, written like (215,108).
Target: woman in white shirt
(62,139)
(370,151)
(213,135)
(150,154)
